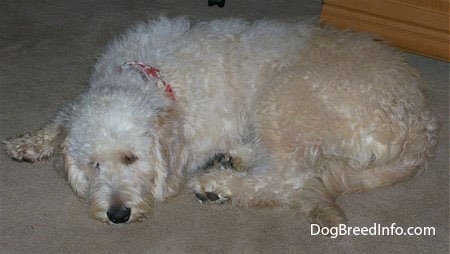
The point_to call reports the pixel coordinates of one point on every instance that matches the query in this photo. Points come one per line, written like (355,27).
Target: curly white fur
(304,114)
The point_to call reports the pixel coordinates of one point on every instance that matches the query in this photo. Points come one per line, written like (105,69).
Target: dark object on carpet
(220,3)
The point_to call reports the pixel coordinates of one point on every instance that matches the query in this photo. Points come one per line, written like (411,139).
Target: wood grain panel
(418,26)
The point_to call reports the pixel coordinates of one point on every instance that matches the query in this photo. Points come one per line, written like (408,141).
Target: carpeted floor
(47,50)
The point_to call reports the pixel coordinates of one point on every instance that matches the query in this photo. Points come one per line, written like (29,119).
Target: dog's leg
(314,195)
(214,184)
(219,162)
(38,146)
(221,183)
(318,195)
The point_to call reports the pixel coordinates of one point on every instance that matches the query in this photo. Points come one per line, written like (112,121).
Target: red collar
(150,72)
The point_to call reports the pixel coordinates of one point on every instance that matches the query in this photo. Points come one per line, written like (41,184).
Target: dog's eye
(94,164)
(129,158)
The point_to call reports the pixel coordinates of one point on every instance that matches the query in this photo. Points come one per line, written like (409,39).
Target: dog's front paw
(23,148)
(212,187)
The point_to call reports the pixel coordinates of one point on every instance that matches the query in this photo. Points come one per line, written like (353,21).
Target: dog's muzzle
(118,214)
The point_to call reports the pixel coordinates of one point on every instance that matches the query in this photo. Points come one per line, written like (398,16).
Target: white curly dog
(252,113)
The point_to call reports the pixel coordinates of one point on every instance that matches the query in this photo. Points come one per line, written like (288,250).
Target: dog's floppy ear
(170,140)
(74,175)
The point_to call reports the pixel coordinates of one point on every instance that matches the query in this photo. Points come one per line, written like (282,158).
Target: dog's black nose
(118,214)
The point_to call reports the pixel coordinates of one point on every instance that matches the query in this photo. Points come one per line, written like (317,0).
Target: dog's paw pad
(205,197)
(212,196)
(202,197)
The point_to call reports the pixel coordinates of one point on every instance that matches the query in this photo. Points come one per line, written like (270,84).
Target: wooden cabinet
(418,26)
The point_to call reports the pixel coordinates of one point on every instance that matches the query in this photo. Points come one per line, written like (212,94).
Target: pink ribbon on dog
(150,72)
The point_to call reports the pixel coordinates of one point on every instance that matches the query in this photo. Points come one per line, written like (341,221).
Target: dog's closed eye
(94,164)
(129,158)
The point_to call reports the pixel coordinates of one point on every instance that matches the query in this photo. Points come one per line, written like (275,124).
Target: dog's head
(123,150)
